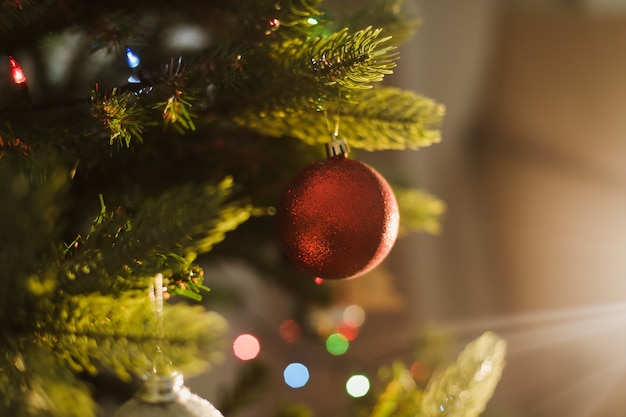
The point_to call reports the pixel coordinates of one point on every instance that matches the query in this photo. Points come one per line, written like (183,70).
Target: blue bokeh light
(296,375)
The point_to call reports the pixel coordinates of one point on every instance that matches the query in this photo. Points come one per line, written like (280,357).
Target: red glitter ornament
(338,218)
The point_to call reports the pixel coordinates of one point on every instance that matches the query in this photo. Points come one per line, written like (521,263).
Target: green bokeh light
(337,344)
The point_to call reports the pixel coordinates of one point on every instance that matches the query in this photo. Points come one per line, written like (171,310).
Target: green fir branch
(161,235)
(91,332)
(464,388)
(351,60)
(394,16)
(30,218)
(15,13)
(276,19)
(177,112)
(384,118)
(179,86)
(419,211)
(34,383)
(400,397)
(121,114)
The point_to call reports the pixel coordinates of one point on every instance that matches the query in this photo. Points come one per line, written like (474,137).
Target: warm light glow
(296,375)
(550,333)
(354,315)
(312,21)
(290,331)
(16,72)
(186,37)
(357,386)
(275,23)
(246,347)
(319,280)
(337,344)
(420,371)
(132,59)
(348,330)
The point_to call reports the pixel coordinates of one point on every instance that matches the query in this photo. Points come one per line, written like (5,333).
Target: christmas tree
(141,141)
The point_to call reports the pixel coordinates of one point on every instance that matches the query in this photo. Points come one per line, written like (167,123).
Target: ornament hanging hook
(337,146)
(338,117)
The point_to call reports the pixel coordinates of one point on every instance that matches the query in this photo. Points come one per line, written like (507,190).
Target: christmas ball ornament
(166,396)
(338,218)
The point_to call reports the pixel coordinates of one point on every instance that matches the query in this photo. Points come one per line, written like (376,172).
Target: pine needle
(34,383)
(162,234)
(352,60)
(385,118)
(88,332)
(120,113)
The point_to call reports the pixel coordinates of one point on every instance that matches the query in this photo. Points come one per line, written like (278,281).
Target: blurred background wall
(533,169)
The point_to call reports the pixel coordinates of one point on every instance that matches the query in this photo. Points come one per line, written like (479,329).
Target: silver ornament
(166,396)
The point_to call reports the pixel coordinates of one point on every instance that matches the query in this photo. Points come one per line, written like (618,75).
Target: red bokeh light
(420,371)
(290,331)
(349,330)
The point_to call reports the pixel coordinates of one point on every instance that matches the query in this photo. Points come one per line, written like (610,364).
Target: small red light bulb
(16,72)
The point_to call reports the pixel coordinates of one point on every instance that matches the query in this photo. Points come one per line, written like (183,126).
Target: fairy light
(132,59)
(16,72)
(275,23)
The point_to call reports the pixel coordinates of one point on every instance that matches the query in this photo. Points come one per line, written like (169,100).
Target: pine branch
(121,115)
(464,388)
(392,15)
(34,383)
(127,248)
(177,112)
(276,19)
(384,118)
(29,219)
(419,211)
(351,60)
(14,13)
(89,332)
(400,397)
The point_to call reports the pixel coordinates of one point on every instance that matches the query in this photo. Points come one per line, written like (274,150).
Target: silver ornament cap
(337,147)
(166,396)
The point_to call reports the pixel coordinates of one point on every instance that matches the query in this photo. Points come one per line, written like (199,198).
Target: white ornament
(166,396)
